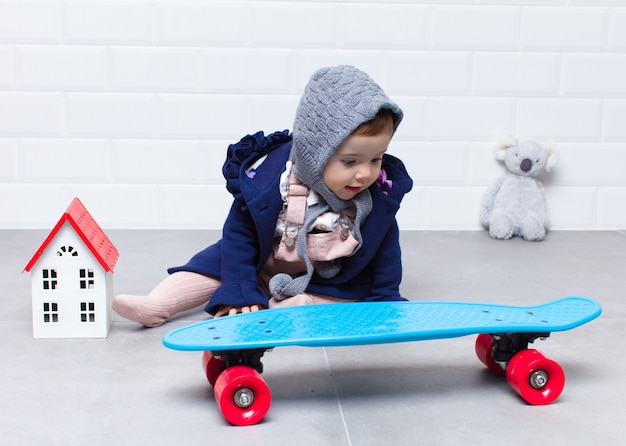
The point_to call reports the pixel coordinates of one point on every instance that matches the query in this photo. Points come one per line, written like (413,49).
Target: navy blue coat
(372,274)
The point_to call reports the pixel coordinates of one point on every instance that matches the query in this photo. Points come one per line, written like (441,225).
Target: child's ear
(499,151)
(553,155)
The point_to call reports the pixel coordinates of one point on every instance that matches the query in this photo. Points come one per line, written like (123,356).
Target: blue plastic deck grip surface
(376,323)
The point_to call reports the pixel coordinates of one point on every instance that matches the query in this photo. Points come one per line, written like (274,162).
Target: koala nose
(526,165)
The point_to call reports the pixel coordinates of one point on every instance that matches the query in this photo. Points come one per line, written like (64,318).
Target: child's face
(356,164)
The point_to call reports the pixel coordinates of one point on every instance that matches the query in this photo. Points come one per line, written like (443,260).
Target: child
(313,219)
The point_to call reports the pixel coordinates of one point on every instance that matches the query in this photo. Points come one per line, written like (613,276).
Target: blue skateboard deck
(366,323)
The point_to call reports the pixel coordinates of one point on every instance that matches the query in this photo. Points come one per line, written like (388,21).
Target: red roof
(90,233)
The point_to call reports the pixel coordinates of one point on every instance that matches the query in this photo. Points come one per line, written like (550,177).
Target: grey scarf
(283,285)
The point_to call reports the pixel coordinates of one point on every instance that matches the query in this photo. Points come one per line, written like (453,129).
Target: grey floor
(129,389)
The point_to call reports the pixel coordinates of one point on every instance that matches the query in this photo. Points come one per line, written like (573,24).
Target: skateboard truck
(249,358)
(508,344)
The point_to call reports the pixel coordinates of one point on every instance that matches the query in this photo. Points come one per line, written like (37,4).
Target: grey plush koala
(515,205)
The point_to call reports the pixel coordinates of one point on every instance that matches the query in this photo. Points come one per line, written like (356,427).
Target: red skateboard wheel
(484,348)
(242,395)
(212,367)
(537,379)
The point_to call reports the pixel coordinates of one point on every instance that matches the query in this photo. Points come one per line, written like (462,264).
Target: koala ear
(553,155)
(499,151)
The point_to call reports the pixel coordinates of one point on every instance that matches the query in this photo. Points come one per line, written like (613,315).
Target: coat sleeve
(239,260)
(386,267)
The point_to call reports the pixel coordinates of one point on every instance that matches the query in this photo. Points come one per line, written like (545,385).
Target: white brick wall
(130,104)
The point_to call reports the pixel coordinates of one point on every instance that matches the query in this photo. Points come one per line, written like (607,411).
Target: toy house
(72,278)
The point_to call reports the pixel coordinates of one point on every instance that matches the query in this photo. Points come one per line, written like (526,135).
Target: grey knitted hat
(335,102)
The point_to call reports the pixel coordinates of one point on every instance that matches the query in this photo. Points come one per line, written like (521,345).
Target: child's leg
(177,292)
(305,299)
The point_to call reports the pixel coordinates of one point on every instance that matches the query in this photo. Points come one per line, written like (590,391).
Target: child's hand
(229,311)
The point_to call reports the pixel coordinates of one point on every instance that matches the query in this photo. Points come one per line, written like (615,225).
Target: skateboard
(233,345)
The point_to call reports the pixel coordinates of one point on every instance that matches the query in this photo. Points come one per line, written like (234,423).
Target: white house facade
(72,279)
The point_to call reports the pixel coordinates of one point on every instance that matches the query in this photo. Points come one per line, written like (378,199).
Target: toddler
(314,213)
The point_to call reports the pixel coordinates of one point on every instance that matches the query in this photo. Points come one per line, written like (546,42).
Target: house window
(49,277)
(67,251)
(87,312)
(50,312)
(86,279)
